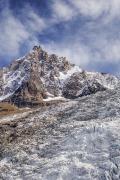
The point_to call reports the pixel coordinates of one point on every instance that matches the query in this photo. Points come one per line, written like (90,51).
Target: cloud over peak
(15,32)
(62,11)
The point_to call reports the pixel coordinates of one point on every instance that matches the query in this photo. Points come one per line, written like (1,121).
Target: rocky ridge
(39,77)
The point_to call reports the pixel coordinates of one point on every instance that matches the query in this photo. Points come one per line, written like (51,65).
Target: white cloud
(62,11)
(94,43)
(13,32)
(66,10)
(92,8)
(111,51)
(107,10)
(32,20)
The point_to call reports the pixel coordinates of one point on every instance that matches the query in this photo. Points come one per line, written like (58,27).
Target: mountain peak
(38,77)
(37,48)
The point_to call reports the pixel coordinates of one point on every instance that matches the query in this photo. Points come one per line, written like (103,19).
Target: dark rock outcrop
(80,84)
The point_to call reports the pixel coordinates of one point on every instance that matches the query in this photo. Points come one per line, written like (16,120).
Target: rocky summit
(39,76)
(76,136)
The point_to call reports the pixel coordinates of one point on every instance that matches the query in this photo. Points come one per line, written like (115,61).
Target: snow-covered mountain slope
(12,80)
(39,76)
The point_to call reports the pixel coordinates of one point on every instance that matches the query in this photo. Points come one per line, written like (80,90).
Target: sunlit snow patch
(73,70)
(54,98)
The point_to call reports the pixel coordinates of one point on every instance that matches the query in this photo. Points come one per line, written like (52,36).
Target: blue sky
(86,32)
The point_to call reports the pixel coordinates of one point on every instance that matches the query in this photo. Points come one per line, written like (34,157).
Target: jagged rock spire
(38,48)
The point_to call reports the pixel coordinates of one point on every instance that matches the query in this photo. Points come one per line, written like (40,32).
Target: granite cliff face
(38,77)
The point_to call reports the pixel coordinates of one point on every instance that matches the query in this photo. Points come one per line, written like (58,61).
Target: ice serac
(38,77)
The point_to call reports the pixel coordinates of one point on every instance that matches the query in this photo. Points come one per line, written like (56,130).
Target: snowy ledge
(54,98)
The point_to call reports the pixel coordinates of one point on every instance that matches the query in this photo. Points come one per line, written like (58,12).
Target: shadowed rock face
(80,84)
(38,76)
(1,81)
(32,89)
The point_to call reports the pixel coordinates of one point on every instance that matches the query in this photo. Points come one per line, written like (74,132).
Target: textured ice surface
(73,140)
